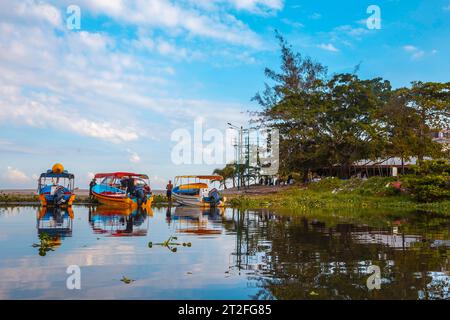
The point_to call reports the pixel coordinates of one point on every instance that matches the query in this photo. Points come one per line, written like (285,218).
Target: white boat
(198,191)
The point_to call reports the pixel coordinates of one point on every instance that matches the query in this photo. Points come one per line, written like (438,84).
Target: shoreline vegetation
(384,194)
(302,200)
(18,197)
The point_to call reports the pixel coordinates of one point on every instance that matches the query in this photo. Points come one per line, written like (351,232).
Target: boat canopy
(120,175)
(51,174)
(207,177)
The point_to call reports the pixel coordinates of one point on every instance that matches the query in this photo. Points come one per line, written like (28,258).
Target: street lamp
(239,152)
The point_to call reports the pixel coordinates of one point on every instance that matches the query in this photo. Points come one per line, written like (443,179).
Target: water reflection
(194,220)
(53,225)
(301,258)
(119,222)
(235,254)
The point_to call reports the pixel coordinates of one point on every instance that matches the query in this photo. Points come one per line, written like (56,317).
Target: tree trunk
(403,165)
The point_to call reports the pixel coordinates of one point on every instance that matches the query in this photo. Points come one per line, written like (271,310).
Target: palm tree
(227,173)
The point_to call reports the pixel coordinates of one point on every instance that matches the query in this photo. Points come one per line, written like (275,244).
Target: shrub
(428,188)
(432,167)
(327,184)
(377,186)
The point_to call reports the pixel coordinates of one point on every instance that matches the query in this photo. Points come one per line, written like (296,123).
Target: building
(443,137)
(393,166)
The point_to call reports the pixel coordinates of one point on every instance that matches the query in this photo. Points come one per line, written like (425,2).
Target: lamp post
(239,151)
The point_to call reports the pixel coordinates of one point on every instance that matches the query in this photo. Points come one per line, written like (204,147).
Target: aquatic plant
(169,244)
(126,280)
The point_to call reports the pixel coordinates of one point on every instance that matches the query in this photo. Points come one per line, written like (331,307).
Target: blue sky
(109,96)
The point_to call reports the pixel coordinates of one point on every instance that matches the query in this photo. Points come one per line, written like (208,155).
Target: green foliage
(377,186)
(329,122)
(126,280)
(431,181)
(371,186)
(440,166)
(169,244)
(228,172)
(159,198)
(429,188)
(327,184)
(46,244)
(307,200)
(10,198)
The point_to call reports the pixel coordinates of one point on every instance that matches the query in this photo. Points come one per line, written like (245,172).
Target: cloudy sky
(109,96)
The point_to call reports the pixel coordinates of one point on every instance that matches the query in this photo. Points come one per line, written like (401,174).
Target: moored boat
(123,189)
(198,190)
(56,187)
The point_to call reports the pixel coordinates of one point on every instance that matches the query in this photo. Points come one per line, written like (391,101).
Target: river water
(227,254)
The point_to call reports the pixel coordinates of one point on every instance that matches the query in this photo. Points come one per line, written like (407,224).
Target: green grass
(335,194)
(17,198)
(159,199)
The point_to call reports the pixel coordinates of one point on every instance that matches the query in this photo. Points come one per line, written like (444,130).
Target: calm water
(233,255)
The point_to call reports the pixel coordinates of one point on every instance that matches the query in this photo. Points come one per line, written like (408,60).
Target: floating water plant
(169,244)
(126,280)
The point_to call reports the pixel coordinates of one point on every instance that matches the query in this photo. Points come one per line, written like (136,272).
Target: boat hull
(195,201)
(122,201)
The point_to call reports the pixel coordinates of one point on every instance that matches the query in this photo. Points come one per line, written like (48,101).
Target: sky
(114,92)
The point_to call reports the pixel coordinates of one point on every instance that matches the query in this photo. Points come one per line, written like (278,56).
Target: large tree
(431,101)
(350,128)
(292,105)
(328,122)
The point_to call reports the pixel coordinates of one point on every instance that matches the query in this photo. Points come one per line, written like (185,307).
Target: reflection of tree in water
(303,259)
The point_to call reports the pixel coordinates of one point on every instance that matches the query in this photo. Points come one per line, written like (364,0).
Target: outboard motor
(140,195)
(214,196)
(58,198)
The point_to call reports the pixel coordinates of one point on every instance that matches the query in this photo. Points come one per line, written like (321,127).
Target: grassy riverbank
(334,194)
(328,195)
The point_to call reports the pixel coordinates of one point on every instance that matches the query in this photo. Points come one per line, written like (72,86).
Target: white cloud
(328,47)
(315,16)
(15,176)
(415,52)
(134,157)
(34,114)
(293,24)
(258,6)
(69,84)
(31,9)
(93,41)
(167,15)
(351,31)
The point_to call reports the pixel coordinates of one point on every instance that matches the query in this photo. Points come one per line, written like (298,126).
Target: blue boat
(56,187)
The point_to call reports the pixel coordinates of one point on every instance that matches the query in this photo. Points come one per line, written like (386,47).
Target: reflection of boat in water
(56,187)
(197,191)
(119,222)
(192,220)
(55,222)
(123,189)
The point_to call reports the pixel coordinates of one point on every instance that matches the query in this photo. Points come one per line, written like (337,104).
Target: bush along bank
(428,189)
